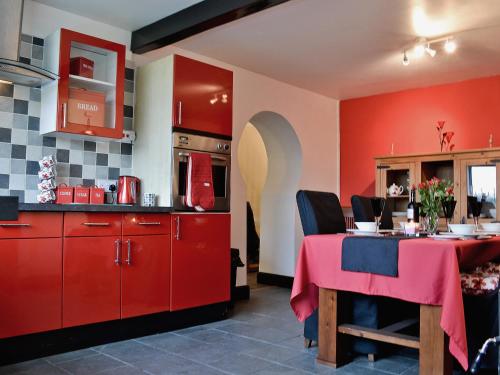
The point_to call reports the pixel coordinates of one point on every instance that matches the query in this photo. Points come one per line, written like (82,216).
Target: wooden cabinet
(473,173)
(30,274)
(202,97)
(75,104)
(200,260)
(145,275)
(91,280)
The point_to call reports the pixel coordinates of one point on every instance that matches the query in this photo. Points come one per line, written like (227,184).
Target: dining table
(428,275)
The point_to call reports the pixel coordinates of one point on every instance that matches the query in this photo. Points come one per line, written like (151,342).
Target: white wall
(41,20)
(252,160)
(314,119)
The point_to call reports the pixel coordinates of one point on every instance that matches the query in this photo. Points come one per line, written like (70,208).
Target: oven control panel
(201,143)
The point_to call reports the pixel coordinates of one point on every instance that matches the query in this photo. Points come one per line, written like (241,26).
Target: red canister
(81,195)
(96,195)
(81,66)
(64,194)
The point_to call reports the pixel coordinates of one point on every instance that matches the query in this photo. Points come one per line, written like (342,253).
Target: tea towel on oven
(199,182)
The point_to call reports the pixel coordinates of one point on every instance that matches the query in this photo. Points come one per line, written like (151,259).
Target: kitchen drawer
(144,224)
(33,225)
(84,224)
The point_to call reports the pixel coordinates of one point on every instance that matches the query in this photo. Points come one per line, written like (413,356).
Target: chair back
(320,212)
(362,209)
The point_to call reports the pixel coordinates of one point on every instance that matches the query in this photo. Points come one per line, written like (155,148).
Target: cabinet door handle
(383,167)
(15,225)
(177,228)
(117,257)
(495,161)
(96,224)
(65,115)
(179,113)
(150,223)
(129,253)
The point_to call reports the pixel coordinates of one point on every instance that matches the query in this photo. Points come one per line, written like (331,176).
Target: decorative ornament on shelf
(445,137)
(434,194)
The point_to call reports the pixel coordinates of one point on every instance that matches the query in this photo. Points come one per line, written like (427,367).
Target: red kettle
(128,190)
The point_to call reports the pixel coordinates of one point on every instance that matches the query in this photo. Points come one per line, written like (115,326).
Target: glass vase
(431,222)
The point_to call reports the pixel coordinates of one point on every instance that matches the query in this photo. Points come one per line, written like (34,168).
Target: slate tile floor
(261,337)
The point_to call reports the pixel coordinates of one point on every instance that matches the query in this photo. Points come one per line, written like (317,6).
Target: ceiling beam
(194,20)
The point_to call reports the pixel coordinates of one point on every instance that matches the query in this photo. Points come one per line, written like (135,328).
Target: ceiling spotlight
(430,51)
(419,50)
(450,46)
(406,61)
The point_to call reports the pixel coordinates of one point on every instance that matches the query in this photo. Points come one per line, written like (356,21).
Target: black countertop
(51,207)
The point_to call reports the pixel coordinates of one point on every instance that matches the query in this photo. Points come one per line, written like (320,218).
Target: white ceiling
(352,48)
(338,48)
(129,15)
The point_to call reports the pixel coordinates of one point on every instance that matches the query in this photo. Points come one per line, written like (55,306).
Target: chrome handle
(65,115)
(96,224)
(14,225)
(495,161)
(187,154)
(117,258)
(179,110)
(177,228)
(150,223)
(129,253)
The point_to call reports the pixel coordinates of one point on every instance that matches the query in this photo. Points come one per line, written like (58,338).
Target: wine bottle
(412,208)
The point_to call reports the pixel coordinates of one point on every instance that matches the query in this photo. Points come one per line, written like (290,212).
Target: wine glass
(475,207)
(378,205)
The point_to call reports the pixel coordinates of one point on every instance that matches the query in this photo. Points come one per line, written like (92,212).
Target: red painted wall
(408,119)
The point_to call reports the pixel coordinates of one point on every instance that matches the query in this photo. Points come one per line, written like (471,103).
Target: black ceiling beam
(194,20)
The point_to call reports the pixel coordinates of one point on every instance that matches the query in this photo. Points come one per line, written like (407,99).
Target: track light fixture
(406,61)
(424,46)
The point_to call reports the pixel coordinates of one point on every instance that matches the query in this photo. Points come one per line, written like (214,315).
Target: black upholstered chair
(362,209)
(321,213)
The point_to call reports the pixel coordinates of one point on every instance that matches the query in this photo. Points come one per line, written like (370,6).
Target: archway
(278,181)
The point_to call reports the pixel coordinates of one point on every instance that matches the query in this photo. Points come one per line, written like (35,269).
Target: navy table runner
(378,255)
(9,208)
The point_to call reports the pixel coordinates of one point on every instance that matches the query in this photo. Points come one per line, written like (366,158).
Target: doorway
(270,161)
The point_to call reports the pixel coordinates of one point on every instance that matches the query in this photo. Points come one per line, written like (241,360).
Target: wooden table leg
(331,352)
(434,356)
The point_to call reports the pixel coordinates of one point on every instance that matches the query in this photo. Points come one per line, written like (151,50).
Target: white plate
(445,236)
(359,232)
(471,235)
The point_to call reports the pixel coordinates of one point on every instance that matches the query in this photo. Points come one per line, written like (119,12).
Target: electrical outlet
(128,136)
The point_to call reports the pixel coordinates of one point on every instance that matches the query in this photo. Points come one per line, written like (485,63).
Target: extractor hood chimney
(11,69)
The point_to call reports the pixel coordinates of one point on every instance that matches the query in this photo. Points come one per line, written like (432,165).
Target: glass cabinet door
(479,180)
(400,176)
(91,85)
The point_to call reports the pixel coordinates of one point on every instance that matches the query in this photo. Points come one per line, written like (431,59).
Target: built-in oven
(220,152)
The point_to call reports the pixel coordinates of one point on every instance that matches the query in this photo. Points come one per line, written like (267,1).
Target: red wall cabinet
(203,97)
(91,280)
(145,275)
(77,104)
(30,274)
(200,260)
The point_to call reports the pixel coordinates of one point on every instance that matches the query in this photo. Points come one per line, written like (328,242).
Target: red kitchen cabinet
(200,260)
(30,285)
(145,275)
(91,279)
(77,103)
(203,97)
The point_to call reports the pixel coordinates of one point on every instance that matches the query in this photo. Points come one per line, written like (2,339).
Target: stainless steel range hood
(11,69)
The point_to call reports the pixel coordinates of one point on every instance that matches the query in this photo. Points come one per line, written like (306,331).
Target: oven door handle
(187,154)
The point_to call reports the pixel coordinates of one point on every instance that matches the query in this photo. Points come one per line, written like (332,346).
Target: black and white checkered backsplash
(21,145)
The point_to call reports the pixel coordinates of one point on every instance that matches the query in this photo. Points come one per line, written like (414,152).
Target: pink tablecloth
(428,274)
